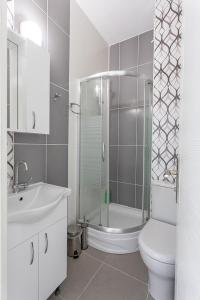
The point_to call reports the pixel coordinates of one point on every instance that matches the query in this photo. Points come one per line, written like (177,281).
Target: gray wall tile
(127,126)
(114,92)
(42,4)
(59,111)
(127,164)
(129,53)
(128,91)
(126,194)
(29,138)
(59,12)
(139,168)
(114,57)
(57,161)
(59,53)
(131,95)
(113,162)
(138,196)
(146,73)
(113,192)
(113,134)
(140,126)
(145,47)
(28,10)
(34,155)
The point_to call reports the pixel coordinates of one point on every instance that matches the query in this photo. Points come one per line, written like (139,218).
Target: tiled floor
(101,276)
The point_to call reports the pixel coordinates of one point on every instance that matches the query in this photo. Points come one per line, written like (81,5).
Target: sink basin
(35,202)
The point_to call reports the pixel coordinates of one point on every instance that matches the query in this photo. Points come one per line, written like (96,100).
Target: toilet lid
(158,240)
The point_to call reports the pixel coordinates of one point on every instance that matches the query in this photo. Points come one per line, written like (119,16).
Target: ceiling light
(31,31)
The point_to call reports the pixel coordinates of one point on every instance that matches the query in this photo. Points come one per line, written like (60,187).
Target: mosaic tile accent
(166,100)
(10,159)
(10,135)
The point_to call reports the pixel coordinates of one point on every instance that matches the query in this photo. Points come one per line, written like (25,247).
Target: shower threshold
(121,236)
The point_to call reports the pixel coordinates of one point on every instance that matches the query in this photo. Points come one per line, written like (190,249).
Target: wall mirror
(28,82)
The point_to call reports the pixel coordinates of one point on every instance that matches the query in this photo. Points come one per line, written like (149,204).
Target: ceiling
(118,20)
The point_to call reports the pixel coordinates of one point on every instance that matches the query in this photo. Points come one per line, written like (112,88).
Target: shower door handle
(103,152)
(34,119)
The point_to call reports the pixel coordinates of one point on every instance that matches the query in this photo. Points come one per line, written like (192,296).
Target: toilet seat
(157,240)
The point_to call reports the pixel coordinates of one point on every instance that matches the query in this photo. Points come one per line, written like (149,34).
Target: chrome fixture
(56,97)
(109,74)
(168,174)
(16,185)
(33,253)
(34,119)
(72,110)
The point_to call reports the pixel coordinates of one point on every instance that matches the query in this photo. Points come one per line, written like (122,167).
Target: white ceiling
(118,20)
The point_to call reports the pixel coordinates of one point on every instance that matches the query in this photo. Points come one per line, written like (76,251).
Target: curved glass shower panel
(110,106)
(93,157)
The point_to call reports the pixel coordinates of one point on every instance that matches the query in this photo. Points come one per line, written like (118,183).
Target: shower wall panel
(127,108)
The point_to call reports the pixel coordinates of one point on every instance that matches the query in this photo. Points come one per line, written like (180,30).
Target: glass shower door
(93,153)
(148,94)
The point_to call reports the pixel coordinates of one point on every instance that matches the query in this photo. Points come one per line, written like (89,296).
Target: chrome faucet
(16,185)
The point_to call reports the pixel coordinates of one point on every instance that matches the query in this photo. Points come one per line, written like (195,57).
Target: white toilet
(157,242)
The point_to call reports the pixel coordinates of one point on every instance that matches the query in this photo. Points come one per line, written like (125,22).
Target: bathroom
(99,150)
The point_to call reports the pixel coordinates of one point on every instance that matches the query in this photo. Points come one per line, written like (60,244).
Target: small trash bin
(84,236)
(74,240)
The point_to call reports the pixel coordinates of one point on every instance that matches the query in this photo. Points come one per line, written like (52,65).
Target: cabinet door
(38,82)
(23,271)
(52,258)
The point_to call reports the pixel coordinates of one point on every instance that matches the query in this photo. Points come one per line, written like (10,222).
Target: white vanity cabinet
(37,246)
(38,266)
(23,271)
(52,258)
(33,92)
(28,86)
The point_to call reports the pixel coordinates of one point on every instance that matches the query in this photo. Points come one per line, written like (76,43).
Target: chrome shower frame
(108,75)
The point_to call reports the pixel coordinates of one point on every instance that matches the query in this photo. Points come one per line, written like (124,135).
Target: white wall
(3,151)
(188,229)
(88,55)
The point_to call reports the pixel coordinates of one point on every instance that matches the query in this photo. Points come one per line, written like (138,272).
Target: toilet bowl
(157,248)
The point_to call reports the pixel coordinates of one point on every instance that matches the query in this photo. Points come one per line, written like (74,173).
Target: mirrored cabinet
(28,85)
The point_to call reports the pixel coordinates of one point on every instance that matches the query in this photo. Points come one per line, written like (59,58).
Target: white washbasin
(35,202)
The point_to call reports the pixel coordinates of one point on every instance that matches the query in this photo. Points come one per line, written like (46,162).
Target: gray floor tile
(110,284)
(96,253)
(80,272)
(129,263)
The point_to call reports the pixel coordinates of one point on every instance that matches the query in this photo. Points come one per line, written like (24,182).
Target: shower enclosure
(115,141)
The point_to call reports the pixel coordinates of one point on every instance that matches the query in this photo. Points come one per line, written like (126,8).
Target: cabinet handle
(103,152)
(34,119)
(47,243)
(32,253)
